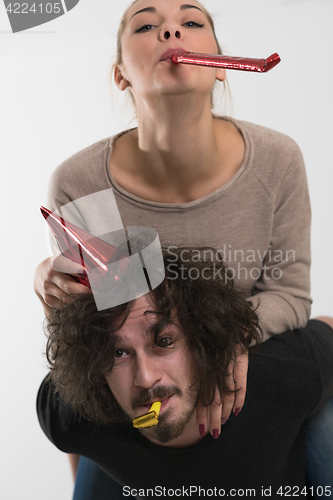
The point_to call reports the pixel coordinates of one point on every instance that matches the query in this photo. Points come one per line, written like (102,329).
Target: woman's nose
(147,372)
(170,32)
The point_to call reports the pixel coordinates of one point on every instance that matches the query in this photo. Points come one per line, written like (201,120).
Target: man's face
(144,372)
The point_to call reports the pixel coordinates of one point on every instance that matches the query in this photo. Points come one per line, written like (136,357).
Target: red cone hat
(116,275)
(79,246)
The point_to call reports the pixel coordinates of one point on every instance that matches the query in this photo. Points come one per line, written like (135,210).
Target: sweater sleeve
(282,293)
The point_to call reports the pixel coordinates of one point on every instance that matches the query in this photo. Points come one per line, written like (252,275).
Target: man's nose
(170,31)
(147,371)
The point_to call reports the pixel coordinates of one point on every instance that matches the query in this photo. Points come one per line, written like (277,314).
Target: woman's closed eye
(193,24)
(148,27)
(144,27)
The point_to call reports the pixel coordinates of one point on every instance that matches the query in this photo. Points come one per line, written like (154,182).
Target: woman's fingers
(53,284)
(240,376)
(59,287)
(236,382)
(217,413)
(211,418)
(202,419)
(215,410)
(228,398)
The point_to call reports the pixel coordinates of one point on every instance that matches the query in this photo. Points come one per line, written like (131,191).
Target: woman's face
(155,27)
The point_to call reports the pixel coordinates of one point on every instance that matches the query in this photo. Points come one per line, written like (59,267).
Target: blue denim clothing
(93,484)
(319,450)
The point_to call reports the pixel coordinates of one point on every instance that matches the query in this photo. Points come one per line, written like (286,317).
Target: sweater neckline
(178,206)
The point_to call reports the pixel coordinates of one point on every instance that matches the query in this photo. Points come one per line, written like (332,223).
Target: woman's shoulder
(86,159)
(83,173)
(274,157)
(264,138)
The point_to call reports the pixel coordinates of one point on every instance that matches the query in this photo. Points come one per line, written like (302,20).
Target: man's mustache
(159,392)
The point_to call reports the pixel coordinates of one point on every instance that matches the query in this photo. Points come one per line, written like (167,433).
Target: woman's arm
(282,293)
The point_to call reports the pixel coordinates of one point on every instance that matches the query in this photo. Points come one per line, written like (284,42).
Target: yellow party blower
(148,419)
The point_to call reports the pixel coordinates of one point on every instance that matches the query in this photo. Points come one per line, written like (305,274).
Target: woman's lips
(167,56)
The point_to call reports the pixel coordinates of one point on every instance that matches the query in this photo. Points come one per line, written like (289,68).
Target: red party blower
(80,246)
(228,62)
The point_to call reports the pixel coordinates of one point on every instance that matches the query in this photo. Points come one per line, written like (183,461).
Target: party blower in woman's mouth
(228,62)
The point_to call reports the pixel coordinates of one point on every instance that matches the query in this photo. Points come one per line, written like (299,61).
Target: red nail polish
(202,429)
(236,412)
(215,433)
(223,420)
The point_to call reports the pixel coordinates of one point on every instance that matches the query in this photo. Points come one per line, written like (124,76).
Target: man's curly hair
(216,320)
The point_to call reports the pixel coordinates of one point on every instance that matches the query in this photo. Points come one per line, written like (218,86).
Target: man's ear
(221,74)
(120,79)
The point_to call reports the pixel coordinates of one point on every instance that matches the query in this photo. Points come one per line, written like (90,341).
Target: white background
(56,99)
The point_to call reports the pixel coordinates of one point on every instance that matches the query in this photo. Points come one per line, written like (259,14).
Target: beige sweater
(259,220)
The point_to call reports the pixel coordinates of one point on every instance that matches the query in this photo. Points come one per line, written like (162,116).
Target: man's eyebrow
(169,323)
(182,7)
(117,338)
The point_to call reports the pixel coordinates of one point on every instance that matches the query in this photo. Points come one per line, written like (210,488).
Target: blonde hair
(121,29)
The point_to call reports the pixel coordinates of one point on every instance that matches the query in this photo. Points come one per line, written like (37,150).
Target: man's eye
(165,342)
(119,353)
(193,24)
(145,27)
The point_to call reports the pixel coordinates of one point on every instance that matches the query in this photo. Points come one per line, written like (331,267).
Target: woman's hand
(52,282)
(211,417)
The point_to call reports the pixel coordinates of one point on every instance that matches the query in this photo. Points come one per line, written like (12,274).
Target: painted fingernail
(215,433)
(223,420)
(202,429)
(236,412)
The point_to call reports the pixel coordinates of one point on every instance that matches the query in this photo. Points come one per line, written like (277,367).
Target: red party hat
(80,246)
(116,274)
